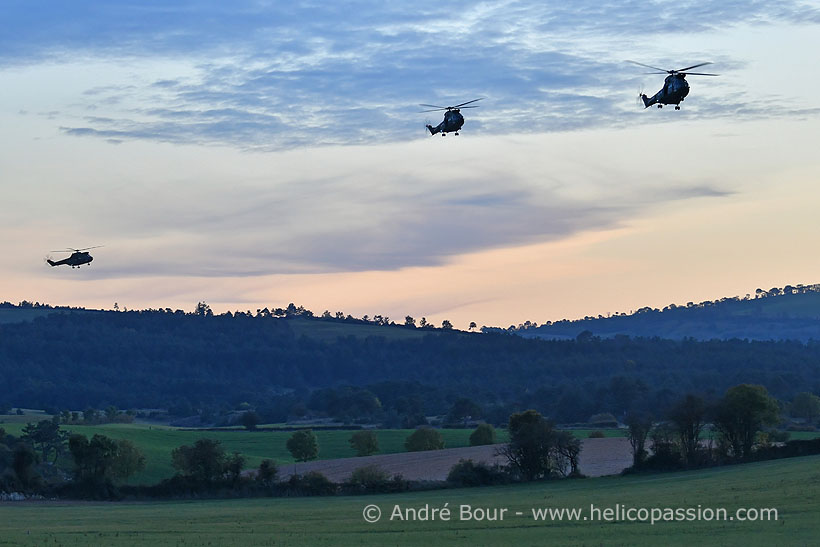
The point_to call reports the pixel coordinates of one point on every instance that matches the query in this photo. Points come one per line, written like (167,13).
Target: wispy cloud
(269,76)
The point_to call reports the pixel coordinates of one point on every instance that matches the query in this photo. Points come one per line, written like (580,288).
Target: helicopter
(675,87)
(453,120)
(78,257)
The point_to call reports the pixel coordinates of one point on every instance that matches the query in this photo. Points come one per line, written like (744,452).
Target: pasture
(157,442)
(790,486)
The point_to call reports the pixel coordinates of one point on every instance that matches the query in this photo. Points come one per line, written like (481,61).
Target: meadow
(790,486)
(156,442)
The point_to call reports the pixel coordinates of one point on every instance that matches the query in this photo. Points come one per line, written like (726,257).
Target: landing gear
(660,106)
(677,107)
(456,134)
(443,134)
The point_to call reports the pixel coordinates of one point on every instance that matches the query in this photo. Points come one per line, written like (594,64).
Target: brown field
(607,456)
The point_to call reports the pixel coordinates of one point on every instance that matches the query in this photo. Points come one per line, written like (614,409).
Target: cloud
(268,76)
(361,216)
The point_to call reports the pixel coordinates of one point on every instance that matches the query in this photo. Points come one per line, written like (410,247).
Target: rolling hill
(783,314)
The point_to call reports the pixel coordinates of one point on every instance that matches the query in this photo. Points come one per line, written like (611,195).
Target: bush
(373,479)
(468,473)
(267,473)
(424,438)
(597,434)
(484,434)
(311,483)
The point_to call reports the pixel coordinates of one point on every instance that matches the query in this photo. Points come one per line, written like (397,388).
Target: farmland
(791,486)
(157,442)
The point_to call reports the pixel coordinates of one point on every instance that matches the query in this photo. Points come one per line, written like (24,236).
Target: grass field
(156,442)
(790,486)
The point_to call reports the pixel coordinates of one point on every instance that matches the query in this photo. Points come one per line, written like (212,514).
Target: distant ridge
(790,313)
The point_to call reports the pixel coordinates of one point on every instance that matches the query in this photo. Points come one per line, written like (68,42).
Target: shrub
(373,479)
(311,483)
(483,434)
(597,434)
(469,473)
(267,472)
(424,438)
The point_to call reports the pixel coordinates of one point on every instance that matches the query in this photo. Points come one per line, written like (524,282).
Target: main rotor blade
(648,66)
(468,102)
(693,66)
(89,248)
(434,110)
(433,106)
(474,106)
(697,74)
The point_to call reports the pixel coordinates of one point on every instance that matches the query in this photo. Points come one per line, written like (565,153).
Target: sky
(253,154)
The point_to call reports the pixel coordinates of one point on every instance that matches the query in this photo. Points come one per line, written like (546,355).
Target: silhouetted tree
(46,436)
(743,411)
(205,461)
(365,443)
(483,434)
(531,450)
(23,460)
(639,426)
(424,438)
(103,460)
(688,417)
(203,310)
(267,473)
(250,420)
(303,445)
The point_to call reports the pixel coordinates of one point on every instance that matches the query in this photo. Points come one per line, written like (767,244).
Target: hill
(284,366)
(778,314)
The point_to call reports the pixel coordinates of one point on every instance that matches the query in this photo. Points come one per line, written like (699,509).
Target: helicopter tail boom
(647,102)
(433,130)
(51,262)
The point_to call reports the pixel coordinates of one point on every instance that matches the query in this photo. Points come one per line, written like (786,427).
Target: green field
(156,442)
(790,486)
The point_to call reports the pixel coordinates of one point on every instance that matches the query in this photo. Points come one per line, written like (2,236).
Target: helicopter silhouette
(78,257)
(675,87)
(453,120)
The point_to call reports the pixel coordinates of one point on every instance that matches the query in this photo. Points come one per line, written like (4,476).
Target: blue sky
(256,153)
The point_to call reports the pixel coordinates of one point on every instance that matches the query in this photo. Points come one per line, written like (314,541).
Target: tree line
(208,365)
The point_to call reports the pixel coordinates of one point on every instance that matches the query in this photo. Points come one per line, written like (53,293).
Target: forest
(204,364)
(788,313)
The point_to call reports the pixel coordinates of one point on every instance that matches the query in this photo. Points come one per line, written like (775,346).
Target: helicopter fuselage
(76,259)
(453,120)
(675,89)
